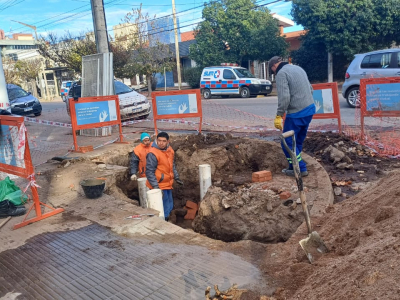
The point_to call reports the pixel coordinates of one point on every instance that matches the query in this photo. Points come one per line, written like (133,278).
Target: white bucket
(154,201)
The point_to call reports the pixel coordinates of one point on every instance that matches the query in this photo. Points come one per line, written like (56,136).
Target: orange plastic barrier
(177,105)
(379,97)
(329,107)
(94,112)
(20,164)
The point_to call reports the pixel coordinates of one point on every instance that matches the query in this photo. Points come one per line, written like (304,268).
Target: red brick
(191,204)
(285,195)
(191,214)
(260,174)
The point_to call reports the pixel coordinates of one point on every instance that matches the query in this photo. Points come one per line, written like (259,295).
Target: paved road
(265,107)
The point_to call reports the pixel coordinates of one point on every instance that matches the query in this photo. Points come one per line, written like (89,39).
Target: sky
(60,16)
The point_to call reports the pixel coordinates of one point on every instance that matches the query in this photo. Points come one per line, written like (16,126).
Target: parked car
(382,63)
(65,86)
(232,80)
(22,102)
(132,104)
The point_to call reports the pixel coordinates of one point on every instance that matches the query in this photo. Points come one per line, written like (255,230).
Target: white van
(232,80)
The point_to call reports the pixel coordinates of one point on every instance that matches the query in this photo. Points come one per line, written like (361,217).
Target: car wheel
(244,92)
(207,94)
(38,114)
(353,97)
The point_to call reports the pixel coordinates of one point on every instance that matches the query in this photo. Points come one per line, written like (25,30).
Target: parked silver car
(382,63)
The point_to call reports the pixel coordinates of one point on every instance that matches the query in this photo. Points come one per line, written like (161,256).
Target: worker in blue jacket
(296,100)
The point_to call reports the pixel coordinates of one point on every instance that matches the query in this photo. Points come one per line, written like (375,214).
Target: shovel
(313,245)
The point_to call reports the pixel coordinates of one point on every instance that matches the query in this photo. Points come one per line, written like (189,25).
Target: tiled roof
(187,36)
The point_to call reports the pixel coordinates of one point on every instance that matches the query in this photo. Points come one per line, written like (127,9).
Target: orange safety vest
(141,152)
(164,171)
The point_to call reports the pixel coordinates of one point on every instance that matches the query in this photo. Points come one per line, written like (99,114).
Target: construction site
(243,238)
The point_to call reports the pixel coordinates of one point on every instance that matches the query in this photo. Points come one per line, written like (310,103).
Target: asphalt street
(265,107)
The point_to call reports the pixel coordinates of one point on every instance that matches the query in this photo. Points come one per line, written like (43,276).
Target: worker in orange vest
(138,160)
(161,171)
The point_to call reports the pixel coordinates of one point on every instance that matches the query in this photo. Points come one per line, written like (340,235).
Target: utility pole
(4,102)
(330,67)
(178,62)
(99,26)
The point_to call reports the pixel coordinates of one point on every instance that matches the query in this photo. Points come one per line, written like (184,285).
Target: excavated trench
(234,208)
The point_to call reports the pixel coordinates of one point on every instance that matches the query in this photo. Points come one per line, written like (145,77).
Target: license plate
(28,108)
(136,109)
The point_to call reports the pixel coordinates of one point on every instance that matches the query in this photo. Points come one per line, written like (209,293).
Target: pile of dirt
(351,166)
(364,238)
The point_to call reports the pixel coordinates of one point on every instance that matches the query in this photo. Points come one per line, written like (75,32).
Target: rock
(335,154)
(67,164)
(101,166)
(347,159)
(341,166)
(269,206)
(354,188)
(341,143)
(337,191)
(344,195)
(344,165)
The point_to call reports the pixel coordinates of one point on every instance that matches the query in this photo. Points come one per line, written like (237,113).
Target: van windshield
(243,73)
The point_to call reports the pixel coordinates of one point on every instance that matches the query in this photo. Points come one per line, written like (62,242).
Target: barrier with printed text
(15,159)
(177,105)
(326,99)
(379,97)
(94,112)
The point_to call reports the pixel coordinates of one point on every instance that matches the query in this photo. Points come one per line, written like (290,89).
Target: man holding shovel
(161,170)
(138,159)
(296,100)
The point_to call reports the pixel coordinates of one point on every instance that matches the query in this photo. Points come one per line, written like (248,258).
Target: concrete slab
(95,263)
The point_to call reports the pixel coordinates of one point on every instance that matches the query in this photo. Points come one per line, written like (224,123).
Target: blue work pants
(300,127)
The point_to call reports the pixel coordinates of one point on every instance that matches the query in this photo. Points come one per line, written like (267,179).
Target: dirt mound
(363,234)
(351,166)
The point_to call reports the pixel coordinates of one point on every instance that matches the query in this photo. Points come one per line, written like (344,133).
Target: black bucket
(93,188)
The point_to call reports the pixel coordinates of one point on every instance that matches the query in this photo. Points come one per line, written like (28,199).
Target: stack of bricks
(261,176)
(191,208)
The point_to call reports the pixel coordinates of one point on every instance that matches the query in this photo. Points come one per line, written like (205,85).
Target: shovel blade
(313,246)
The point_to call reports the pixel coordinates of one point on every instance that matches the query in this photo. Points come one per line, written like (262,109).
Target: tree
(10,73)
(234,31)
(147,58)
(312,57)
(68,50)
(349,27)
(28,69)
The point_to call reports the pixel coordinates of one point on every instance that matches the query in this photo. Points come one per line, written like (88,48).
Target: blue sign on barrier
(177,104)
(323,100)
(9,141)
(95,112)
(383,97)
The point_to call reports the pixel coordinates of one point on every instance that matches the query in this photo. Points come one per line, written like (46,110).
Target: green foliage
(28,69)
(192,76)
(313,58)
(250,31)
(349,27)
